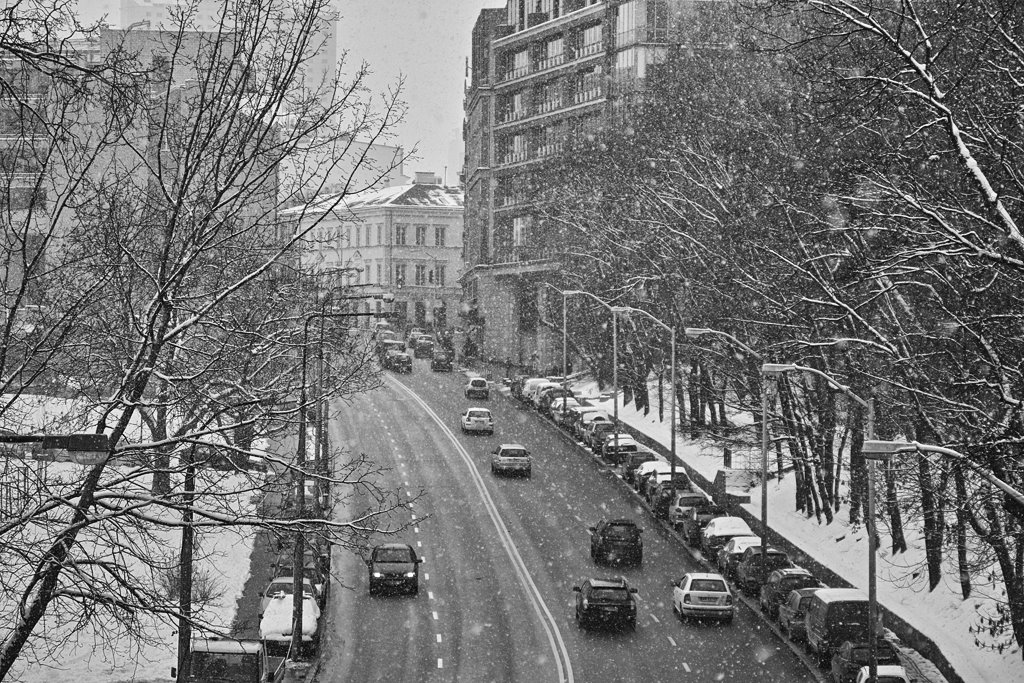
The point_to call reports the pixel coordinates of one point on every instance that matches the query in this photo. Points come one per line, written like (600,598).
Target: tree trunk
(185,572)
(961,532)
(858,470)
(932,527)
(661,396)
(899,540)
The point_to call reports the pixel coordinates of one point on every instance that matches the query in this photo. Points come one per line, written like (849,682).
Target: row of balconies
(533,153)
(581,95)
(545,63)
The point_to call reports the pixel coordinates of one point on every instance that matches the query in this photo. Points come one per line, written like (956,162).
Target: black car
(753,570)
(394,567)
(608,602)
(616,540)
(398,361)
(441,362)
(851,657)
(780,582)
(423,347)
(696,518)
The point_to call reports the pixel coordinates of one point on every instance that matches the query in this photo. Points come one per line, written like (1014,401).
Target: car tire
(727,620)
(529,474)
(415,590)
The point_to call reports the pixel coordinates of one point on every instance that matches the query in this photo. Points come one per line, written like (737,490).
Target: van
(836,615)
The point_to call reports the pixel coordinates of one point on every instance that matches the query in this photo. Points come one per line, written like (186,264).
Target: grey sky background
(427,42)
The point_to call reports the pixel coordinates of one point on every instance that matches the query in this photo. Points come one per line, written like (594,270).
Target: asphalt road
(501,558)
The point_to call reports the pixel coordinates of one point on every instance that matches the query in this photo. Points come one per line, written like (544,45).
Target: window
(439,277)
(378,273)
(421,235)
(399,274)
(347,240)
(553,53)
(359,230)
(400,231)
(380,234)
(421,275)
(625,23)
(439,235)
(591,43)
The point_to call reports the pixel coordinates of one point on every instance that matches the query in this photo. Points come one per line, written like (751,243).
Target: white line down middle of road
(547,620)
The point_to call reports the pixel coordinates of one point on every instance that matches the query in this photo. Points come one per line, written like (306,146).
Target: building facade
(542,71)
(404,241)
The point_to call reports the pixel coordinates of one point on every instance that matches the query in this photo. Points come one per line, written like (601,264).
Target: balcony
(588,50)
(514,157)
(588,95)
(514,115)
(549,106)
(551,62)
(513,74)
(548,150)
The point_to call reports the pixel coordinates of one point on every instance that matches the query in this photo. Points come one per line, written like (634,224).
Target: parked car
(593,434)
(608,602)
(511,458)
(617,540)
(659,481)
(648,469)
(441,361)
(386,345)
(529,384)
(414,334)
(573,420)
(477,387)
(835,615)
(851,656)
(560,410)
(614,450)
(633,460)
(553,396)
(703,595)
(477,420)
(694,520)
(314,570)
(718,532)
(779,584)
(793,611)
(890,673)
(515,387)
(398,361)
(729,556)
(533,393)
(394,567)
(587,418)
(753,570)
(283,585)
(683,502)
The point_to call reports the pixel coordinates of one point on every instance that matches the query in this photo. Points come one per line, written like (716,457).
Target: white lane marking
(416,529)
(430,595)
(418,545)
(405,483)
(440,663)
(578,518)
(439,637)
(656,620)
(426,577)
(686,667)
(555,640)
(672,641)
(434,613)
(409,493)
(414,516)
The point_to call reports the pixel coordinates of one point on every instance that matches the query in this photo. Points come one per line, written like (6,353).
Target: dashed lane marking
(686,667)
(656,620)
(672,641)
(435,615)
(415,529)
(440,663)
(439,637)
(426,577)
(430,595)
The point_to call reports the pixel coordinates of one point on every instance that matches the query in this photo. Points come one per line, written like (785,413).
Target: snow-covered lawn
(902,584)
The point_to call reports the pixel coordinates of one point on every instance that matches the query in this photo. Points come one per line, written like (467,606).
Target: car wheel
(415,589)
(529,474)
(727,620)
(640,559)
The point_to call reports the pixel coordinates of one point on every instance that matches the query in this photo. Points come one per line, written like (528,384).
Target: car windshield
(392,555)
(610,594)
(708,585)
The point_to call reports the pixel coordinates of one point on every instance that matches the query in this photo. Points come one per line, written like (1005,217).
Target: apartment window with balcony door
(359,231)
(590,44)
(400,233)
(421,274)
(551,95)
(439,276)
(421,235)
(520,64)
(380,233)
(439,235)
(626,23)
(626,65)
(553,53)
(588,85)
(378,274)
(399,274)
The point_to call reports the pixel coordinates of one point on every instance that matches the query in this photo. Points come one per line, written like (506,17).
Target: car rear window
(621,532)
(479,413)
(794,582)
(478,382)
(610,594)
(513,453)
(709,585)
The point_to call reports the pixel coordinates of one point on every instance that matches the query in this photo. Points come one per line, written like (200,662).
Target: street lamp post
(565,342)
(672,381)
(298,555)
(778,369)
(615,359)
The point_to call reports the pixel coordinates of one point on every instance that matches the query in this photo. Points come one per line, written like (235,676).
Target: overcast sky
(427,42)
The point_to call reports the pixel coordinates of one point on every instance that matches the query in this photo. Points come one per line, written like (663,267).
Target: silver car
(477,420)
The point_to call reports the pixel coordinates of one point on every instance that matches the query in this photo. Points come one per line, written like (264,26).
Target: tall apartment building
(542,71)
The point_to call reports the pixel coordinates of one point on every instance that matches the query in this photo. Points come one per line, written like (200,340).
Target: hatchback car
(779,584)
(511,458)
(752,571)
(398,361)
(683,502)
(616,540)
(478,388)
(793,612)
(718,532)
(477,420)
(608,602)
(703,595)
(441,362)
(394,567)
(560,410)
(889,673)
(850,657)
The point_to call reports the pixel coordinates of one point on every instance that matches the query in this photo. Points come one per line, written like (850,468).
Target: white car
(703,595)
(281,586)
(587,418)
(719,531)
(477,387)
(647,469)
(560,409)
(477,420)
(511,458)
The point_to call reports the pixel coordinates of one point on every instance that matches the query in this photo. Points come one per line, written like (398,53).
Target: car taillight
(686,598)
(586,603)
(728,599)
(409,575)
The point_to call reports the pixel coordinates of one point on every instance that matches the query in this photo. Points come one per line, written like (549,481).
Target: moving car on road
(511,458)
(616,540)
(398,361)
(477,420)
(703,595)
(441,362)
(607,602)
(477,387)
(394,567)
